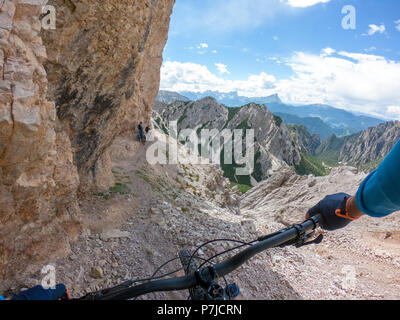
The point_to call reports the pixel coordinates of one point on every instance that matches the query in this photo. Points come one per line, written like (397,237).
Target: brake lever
(317,240)
(298,243)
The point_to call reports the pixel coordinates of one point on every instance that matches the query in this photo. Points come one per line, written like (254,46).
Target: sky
(345,53)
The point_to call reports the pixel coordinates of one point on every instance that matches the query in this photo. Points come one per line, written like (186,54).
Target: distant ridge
(341,121)
(314,125)
(231,99)
(319,119)
(170,97)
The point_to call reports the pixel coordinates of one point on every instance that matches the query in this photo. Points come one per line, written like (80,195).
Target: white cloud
(353,81)
(304,3)
(222,68)
(373,28)
(275,38)
(202,48)
(397,23)
(215,51)
(328,51)
(178,76)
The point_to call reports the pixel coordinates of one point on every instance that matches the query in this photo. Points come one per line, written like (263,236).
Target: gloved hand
(39,293)
(332,219)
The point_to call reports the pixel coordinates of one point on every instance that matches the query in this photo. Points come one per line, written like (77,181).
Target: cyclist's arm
(379,193)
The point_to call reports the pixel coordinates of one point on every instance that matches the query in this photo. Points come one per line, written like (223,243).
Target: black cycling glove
(328,207)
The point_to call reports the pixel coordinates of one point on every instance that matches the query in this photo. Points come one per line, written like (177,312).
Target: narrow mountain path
(165,208)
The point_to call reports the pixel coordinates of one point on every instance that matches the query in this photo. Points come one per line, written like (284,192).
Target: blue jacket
(379,193)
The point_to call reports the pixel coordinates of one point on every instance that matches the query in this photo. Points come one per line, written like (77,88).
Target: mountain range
(341,121)
(231,99)
(319,119)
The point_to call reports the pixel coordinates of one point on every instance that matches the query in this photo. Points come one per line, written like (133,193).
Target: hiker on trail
(148,132)
(377,196)
(141,135)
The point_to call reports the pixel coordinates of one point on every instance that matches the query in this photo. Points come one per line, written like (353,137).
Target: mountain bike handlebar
(296,234)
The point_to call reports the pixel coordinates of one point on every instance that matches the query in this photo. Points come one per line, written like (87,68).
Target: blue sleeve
(379,194)
(1,297)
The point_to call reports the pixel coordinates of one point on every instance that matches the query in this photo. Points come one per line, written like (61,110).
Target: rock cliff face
(274,147)
(365,149)
(38,207)
(309,142)
(370,145)
(65,94)
(104,69)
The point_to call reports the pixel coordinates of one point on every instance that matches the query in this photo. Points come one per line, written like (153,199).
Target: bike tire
(196,293)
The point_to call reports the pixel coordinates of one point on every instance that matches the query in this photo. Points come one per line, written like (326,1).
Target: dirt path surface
(166,208)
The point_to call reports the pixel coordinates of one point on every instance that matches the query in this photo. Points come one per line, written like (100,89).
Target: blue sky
(296,48)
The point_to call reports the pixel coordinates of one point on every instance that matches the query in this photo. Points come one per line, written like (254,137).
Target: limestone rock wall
(65,94)
(38,181)
(104,72)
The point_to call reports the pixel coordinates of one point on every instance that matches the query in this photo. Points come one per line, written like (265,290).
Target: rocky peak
(274,146)
(371,145)
(208,100)
(271,135)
